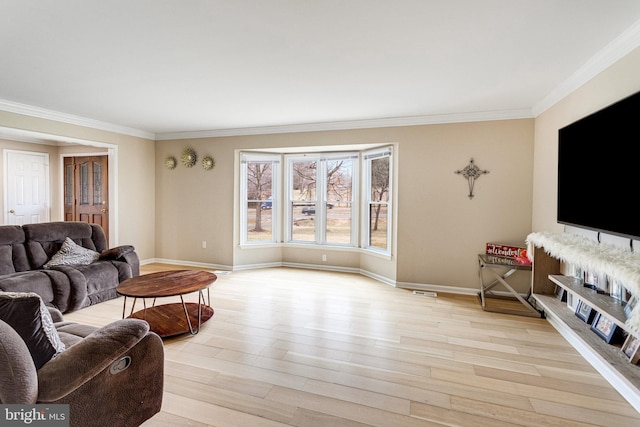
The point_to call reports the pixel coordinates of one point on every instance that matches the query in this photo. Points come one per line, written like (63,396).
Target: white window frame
(367,157)
(281,198)
(321,197)
(275,160)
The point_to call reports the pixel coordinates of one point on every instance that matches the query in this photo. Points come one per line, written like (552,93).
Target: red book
(508,251)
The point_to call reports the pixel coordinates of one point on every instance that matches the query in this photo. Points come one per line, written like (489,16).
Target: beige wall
(440,230)
(134,174)
(617,82)
(167,214)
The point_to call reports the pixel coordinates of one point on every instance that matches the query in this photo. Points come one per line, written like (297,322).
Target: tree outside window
(259,206)
(379,181)
(321,199)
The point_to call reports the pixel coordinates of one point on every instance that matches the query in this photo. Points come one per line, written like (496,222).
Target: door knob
(103,210)
(12,211)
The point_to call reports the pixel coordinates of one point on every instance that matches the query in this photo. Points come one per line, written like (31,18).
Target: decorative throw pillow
(115,253)
(71,253)
(26,313)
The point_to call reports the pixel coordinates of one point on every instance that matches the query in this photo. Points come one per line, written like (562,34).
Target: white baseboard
(320,267)
(438,288)
(186,263)
(379,278)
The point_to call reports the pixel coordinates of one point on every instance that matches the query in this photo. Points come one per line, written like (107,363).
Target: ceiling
(164,68)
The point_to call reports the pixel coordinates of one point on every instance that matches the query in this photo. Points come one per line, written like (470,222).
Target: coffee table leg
(192,331)
(201,301)
(124,306)
(208,297)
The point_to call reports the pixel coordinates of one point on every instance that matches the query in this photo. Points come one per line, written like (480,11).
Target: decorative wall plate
(189,157)
(208,163)
(170,162)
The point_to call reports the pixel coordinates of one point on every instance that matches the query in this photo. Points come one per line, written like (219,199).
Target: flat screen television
(599,170)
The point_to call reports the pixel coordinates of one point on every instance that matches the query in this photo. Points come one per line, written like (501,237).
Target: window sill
(316,247)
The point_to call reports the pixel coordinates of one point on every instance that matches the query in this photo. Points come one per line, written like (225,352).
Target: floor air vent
(425,293)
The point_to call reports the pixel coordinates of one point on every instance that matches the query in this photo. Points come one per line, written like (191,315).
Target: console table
(496,266)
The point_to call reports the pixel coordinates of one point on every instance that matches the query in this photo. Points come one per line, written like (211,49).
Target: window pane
(68,185)
(378,226)
(259,178)
(84,184)
(339,223)
(97,183)
(303,224)
(259,223)
(303,200)
(339,180)
(304,181)
(380,179)
(259,201)
(339,184)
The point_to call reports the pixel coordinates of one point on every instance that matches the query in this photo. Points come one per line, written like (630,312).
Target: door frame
(51,139)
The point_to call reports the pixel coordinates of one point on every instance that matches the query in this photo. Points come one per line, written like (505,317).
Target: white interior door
(26,187)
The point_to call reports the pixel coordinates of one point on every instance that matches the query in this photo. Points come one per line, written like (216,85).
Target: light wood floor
(312,348)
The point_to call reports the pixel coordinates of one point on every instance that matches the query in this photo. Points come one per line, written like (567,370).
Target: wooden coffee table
(171,319)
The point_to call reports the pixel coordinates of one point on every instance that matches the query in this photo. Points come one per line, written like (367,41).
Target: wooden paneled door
(86,190)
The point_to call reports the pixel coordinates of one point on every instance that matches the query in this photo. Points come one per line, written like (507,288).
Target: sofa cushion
(101,279)
(13,255)
(71,253)
(6,260)
(43,240)
(31,281)
(26,313)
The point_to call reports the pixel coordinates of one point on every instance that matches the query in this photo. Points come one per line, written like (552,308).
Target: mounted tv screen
(599,170)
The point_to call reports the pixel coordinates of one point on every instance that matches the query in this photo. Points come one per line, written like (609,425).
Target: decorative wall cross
(471,172)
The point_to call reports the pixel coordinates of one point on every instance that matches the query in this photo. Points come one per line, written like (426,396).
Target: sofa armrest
(132,259)
(86,359)
(56,316)
(76,290)
(124,253)
(115,253)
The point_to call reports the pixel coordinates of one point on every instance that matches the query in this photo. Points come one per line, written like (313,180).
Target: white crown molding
(29,110)
(354,124)
(15,134)
(614,51)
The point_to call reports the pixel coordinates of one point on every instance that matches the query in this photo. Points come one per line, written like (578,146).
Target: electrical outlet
(204,244)
(324,257)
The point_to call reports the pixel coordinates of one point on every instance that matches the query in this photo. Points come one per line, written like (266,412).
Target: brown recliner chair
(109,376)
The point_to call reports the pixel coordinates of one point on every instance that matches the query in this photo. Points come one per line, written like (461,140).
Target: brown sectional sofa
(24,251)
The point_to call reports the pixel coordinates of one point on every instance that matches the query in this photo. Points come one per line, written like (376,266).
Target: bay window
(334,198)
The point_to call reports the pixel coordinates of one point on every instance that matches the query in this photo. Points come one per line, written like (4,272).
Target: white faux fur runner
(616,263)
